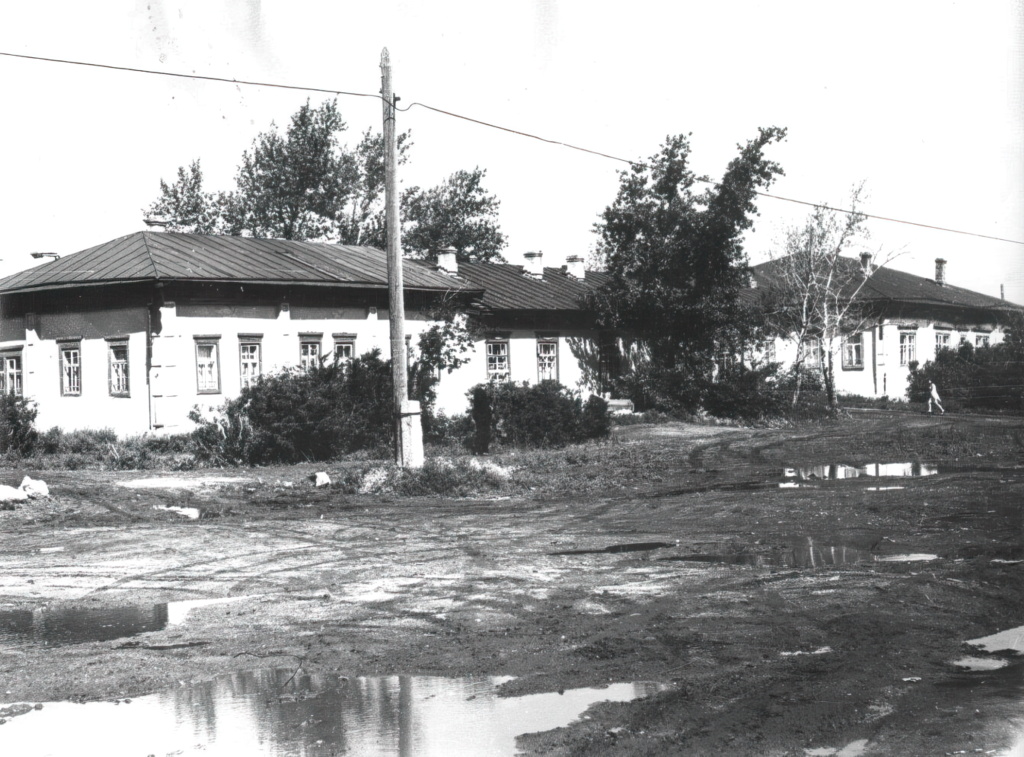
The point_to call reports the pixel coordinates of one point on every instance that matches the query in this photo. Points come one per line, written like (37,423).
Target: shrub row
(988,379)
(534,415)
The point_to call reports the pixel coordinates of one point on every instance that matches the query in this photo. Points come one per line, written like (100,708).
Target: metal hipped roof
(507,287)
(890,285)
(154,256)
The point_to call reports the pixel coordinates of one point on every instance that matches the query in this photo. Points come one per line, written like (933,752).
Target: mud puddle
(837,472)
(79,625)
(872,470)
(642,546)
(805,555)
(286,712)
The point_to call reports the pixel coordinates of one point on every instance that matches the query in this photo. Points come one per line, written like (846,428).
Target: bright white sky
(921,100)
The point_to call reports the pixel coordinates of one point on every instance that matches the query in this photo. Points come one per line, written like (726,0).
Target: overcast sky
(922,101)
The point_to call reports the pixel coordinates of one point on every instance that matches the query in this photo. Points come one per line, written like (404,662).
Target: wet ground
(790,591)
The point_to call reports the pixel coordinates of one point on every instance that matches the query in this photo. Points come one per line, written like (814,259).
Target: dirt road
(793,608)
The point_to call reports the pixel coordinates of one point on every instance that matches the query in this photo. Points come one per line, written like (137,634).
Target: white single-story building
(133,333)
(906,319)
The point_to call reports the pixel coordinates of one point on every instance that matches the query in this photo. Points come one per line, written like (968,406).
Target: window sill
(853,367)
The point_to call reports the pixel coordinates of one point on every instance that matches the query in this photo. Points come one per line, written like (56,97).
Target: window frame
(308,340)
(547,340)
(64,346)
(813,353)
(19,388)
(344,342)
(857,347)
(114,344)
(214,343)
(908,347)
(493,374)
(981,340)
(946,337)
(249,340)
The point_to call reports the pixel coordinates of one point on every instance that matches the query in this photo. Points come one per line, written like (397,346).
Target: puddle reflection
(808,555)
(78,625)
(874,470)
(273,712)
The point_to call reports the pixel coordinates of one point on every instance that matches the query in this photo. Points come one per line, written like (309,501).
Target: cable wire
(489,125)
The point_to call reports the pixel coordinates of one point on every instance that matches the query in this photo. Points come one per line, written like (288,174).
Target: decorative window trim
(249,340)
(542,342)
(67,387)
(116,389)
(18,374)
(308,339)
(344,348)
(853,359)
(908,346)
(498,369)
(212,341)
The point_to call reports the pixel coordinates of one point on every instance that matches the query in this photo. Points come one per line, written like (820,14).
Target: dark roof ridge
(149,253)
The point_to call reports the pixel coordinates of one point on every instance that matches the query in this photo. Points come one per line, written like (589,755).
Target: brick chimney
(447,261)
(865,263)
(534,264)
(574,267)
(940,271)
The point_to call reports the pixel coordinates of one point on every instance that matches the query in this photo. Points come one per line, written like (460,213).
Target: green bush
(538,415)
(18,433)
(296,416)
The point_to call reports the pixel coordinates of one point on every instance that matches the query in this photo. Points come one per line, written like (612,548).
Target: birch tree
(814,294)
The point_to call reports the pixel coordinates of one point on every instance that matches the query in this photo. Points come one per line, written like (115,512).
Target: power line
(711,181)
(489,125)
(187,76)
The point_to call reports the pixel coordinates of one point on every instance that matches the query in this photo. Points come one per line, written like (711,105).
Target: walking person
(933,396)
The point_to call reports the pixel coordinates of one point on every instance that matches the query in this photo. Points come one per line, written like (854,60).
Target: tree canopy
(674,250)
(306,183)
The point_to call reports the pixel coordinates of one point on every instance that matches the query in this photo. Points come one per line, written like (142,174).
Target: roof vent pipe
(447,261)
(574,267)
(865,262)
(534,264)
(940,271)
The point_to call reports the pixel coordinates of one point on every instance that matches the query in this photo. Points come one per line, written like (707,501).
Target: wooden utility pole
(408,431)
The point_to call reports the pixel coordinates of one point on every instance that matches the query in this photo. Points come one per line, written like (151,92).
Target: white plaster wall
(891,377)
(94,408)
(453,388)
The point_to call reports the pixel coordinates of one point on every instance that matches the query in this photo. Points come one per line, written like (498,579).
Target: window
(497,360)
(117,369)
(12,375)
(908,347)
(813,355)
(207,365)
(981,340)
(309,350)
(547,359)
(71,369)
(609,362)
(249,359)
(344,348)
(767,350)
(853,352)
(941,341)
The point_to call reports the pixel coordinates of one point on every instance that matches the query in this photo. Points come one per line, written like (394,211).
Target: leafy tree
(814,292)
(675,254)
(291,186)
(457,213)
(306,184)
(186,206)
